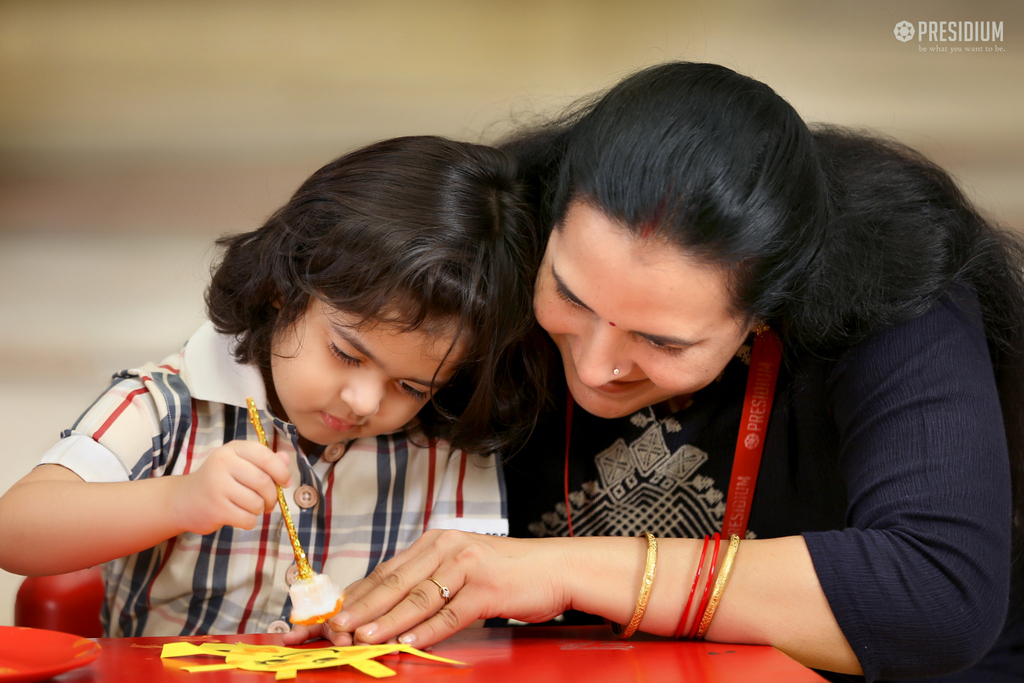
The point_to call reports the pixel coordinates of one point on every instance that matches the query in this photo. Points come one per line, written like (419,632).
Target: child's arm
(52,521)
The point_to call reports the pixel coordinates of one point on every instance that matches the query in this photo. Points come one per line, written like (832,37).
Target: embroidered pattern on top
(642,485)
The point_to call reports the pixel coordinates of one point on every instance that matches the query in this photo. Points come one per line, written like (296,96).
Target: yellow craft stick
(315,599)
(305,571)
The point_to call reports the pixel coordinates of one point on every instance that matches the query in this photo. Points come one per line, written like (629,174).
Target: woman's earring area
(761,328)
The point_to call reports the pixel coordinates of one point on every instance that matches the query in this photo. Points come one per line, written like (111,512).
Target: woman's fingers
(387,571)
(408,596)
(448,581)
(424,601)
(381,573)
(449,620)
(379,595)
(389,583)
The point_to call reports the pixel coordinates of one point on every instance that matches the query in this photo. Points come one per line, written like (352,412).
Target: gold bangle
(716,594)
(645,589)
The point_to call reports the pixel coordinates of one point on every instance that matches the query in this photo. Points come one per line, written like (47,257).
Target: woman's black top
(890,459)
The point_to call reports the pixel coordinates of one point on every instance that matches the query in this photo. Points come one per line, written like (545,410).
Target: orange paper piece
(286,662)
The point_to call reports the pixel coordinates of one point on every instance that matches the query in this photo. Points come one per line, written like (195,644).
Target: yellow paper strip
(198,668)
(420,653)
(180,650)
(286,662)
(248,651)
(373,668)
(220,649)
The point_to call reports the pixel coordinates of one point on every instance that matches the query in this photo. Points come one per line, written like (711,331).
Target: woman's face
(613,301)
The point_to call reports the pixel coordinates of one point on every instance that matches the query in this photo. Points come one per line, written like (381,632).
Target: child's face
(337,382)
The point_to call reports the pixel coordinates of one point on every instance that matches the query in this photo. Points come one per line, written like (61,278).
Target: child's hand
(235,486)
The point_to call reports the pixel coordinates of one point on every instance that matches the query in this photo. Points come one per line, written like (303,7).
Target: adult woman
(689,206)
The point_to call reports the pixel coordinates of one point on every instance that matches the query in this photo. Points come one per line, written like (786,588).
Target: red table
(523,655)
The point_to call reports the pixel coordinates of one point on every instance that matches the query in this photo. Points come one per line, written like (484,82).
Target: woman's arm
(51,521)
(772,597)
(919,580)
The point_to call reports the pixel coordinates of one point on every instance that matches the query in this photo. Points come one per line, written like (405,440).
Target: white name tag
(491,527)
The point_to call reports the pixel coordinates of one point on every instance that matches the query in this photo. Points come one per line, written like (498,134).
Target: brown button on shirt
(279,626)
(334,452)
(306,496)
(292,575)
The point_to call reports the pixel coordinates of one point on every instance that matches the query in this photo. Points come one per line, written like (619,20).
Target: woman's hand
(235,486)
(487,576)
(773,597)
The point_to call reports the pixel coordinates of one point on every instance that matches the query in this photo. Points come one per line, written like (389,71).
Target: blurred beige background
(133,134)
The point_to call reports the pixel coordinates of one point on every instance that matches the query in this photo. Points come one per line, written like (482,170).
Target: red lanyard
(757,407)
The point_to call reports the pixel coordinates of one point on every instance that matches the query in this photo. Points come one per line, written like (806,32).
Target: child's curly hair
(414,231)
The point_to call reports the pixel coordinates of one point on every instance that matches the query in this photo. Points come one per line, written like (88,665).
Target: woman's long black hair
(827,234)
(421,232)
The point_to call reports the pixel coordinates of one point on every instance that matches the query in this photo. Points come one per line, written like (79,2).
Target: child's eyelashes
(412,391)
(342,356)
(404,387)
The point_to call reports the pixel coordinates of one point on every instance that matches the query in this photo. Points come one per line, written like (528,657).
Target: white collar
(210,370)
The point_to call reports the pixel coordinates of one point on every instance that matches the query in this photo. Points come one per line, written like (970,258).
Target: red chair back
(65,602)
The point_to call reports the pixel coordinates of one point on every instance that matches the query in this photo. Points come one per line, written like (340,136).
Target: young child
(379,320)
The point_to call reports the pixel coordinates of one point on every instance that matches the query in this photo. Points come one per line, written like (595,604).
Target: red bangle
(707,586)
(693,588)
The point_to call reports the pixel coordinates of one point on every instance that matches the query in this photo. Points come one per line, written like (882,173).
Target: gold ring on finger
(445,593)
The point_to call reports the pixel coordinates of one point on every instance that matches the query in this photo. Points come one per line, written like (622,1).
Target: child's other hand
(235,486)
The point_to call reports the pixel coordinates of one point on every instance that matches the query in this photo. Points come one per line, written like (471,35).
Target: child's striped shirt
(353,505)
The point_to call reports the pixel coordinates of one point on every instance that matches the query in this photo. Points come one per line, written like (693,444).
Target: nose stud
(615,371)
